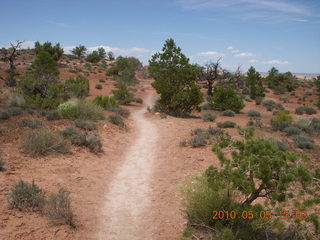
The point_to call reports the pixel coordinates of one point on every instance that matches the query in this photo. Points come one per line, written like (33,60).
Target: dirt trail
(129,193)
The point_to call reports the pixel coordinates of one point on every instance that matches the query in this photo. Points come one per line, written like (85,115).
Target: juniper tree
(79,51)
(54,50)
(175,81)
(254,83)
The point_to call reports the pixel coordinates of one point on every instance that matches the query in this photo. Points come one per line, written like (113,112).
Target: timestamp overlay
(264,214)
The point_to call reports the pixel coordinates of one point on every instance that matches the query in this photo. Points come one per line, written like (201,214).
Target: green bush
(123,112)
(304,142)
(269,104)
(123,93)
(94,144)
(107,102)
(206,106)
(14,111)
(43,141)
(116,120)
(228,113)
(87,110)
(98,86)
(226,124)
(25,195)
(53,116)
(89,126)
(300,110)
(210,117)
(26,122)
(55,51)
(137,100)
(74,135)
(4,115)
(290,131)
(77,87)
(280,121)
(226,98)
(175,81)
(254,113)
(68,110)
(310,110)
(198,141)
(102,80)
(58,207)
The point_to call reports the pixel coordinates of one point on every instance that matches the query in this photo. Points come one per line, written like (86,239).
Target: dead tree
(211,73)
(9,55)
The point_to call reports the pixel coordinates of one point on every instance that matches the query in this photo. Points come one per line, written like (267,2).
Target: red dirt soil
(91,178)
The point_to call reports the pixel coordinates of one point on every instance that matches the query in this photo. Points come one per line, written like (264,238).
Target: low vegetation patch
(209,117)
(226,124)
(43,141)
(74,135)
(26,122)
(54,115)
(58,207)
(254,113)
(94,144)
(280,121)
(304,142)
(89,126)
(201,137)
(116,120)
(107,102)
(228,113)
(24,195)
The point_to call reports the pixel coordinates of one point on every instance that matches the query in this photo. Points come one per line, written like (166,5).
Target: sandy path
(129,193)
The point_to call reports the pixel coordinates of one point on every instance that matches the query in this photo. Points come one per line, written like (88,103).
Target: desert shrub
(116,120)
(258,100)
(283,145)
(269,104)
(112,71)
(86,110)
(25,195)
(137,100)
(300,110)
(291,130)
(226,124)
(77,87)
(175,81)
(226,98)
(183,143)
(198,141)
(26,122)
(254,113)
(94,144)
(255,122)
(16,100)
(278,90)
(304,142)
(308,93)
(281,82)
(74,135)
(228,113)
(14,111)
(98,86)
(4,115)
(210,117)
(2,164)
(310,110)
(107,102)
(90,126)
(58,207)
(123,112)
(68,109)
(102,80)
(54,115)
(285,100)
(280,121)
(43,141)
